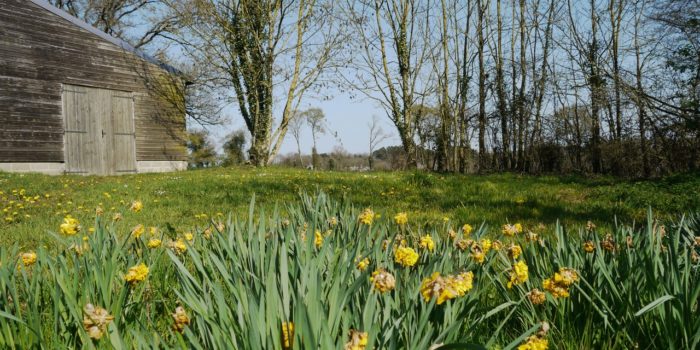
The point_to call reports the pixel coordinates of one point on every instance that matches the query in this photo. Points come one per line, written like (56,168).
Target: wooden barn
(75,100)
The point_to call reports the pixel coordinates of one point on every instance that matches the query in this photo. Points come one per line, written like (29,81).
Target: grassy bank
(34,204)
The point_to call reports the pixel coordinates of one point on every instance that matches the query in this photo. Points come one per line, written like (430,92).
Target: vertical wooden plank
(123,132)
(79,138)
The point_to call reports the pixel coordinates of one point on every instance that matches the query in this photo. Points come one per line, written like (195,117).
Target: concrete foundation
(59,168)
(44,168)
(150,166)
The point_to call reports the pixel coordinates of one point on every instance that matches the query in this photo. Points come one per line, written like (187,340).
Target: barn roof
(119,42)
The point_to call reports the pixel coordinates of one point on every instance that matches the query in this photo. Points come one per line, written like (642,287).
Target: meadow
(289,259)
(31,204)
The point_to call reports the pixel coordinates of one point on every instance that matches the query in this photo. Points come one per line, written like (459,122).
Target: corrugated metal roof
(119,42)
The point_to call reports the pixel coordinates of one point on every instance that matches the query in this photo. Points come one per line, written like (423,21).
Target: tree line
(537,86)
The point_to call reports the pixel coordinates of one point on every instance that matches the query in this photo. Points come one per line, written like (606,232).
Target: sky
(349,118)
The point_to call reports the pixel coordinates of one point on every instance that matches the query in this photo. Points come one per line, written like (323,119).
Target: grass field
(187,260)
(33,204)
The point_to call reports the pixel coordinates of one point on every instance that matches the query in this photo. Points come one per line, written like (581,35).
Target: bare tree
(121,18)
(296,126)
(268,53)
(376,137)
(390,63)
(317,124)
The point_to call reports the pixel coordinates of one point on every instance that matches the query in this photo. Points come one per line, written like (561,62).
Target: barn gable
(44,54)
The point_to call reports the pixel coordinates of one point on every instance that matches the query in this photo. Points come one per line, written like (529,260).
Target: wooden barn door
(122,159)
(99,131)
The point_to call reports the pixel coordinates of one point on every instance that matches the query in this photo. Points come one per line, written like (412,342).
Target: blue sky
(349,118)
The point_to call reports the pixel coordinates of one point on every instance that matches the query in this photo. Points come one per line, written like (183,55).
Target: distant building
(75,100)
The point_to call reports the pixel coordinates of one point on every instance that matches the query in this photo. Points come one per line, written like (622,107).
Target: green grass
(174,201)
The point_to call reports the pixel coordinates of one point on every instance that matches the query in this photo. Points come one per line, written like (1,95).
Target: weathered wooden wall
(40,51)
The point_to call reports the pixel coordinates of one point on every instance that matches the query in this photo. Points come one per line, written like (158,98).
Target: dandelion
(318,239)
(406,256)
(536,296)
(96,320)
(518,274)
(28,258)
(70,226)
(357,341)
(154,243)
(367,216)
(514,251)
(589,246)
(136,274)
(426,242)
(181,319)
(467,229)
(534,343)
(287,335)
(363,264)
(401,219)
(383,281)
(137,231)
(136,206)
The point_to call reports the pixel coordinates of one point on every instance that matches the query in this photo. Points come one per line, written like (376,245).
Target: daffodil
(367,216)
(467,229)
(383,281)
(318,239)
(180,318)
(70,226)
(154,243)
(405,256)
(363,264)
(534,343)
(28,258)
(137,231)
(401,219)
(136,206)
(136,274)
(95,321)
(426,242)
(287,335)
(357,341)
(518,274)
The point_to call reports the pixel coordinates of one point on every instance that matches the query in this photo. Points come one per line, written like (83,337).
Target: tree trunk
(482,91)
(500,92)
